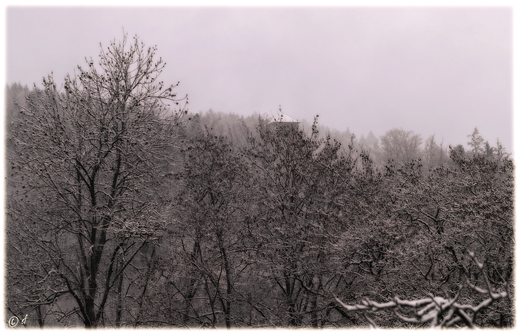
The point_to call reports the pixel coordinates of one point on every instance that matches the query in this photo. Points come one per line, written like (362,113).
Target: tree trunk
(119,310)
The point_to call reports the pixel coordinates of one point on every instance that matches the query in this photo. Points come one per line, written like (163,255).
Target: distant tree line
(125,210)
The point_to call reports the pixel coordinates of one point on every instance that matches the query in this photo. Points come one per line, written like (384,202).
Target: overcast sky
(439,71)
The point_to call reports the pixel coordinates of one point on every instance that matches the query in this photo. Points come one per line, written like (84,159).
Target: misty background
(119,216)
(441,71)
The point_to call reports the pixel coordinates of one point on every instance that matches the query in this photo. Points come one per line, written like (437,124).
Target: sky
(430,70)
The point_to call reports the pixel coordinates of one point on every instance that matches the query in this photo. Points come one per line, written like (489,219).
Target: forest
(123,209)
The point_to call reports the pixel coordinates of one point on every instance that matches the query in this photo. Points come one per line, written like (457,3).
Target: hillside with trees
(126,210)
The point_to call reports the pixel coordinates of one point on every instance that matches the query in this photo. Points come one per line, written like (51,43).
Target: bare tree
(88,180)
(209,236)
(298,193)
(400,146)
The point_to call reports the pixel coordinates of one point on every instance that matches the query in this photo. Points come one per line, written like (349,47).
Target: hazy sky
(437,71)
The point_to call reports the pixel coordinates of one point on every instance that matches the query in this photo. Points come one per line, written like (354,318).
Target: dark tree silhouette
(88,181)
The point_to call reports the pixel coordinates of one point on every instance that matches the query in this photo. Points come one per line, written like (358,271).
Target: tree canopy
(123,211)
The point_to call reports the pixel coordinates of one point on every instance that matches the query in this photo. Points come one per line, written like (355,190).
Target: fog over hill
(124,209)
(442,71)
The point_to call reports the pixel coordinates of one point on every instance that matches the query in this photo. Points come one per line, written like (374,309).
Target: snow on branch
(438,311)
